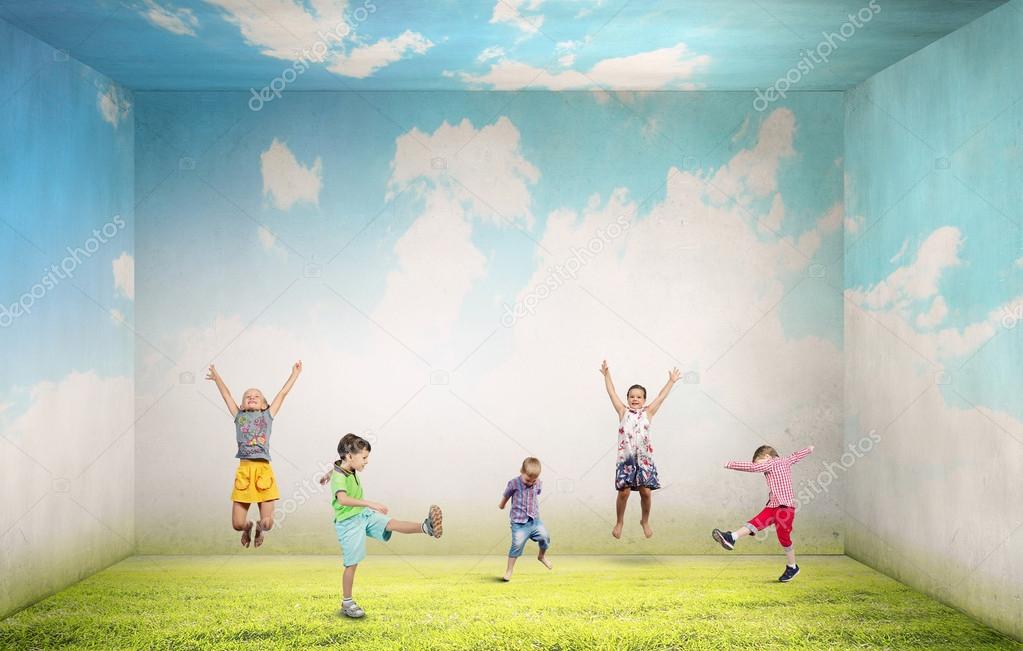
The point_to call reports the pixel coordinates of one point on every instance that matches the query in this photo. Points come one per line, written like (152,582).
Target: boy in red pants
(780,510)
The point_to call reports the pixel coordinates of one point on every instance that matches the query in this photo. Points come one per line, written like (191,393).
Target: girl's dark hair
(637,386)
(351,444)
(764,451)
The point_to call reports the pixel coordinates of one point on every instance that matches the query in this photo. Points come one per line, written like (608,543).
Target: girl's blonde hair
(764,451)
(530,467)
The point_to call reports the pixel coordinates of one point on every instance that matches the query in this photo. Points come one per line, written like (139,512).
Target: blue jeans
(532,529)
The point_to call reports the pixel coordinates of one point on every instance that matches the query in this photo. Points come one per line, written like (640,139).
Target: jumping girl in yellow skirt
(254,481)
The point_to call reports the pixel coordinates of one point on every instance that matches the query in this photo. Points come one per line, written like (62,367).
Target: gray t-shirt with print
(252,431)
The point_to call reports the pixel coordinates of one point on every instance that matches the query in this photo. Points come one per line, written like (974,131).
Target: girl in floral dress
(635,469)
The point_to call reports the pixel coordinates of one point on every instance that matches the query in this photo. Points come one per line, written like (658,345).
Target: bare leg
(542,557)
(623,499)
(644,500)
(266,521)
(403,526)
(511,566)
(239,520)
(347,580)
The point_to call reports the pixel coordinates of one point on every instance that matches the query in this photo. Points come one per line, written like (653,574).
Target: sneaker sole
(436,521)
(720,538)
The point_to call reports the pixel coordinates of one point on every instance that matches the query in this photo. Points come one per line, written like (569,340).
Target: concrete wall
(934,288)
(66,308)
(420,252)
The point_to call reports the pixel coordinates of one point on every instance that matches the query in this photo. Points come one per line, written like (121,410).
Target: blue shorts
(352,532)
(533,529)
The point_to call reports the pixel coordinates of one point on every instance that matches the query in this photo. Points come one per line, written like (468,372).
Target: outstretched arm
(673,376)
(796,456)
(609,385)
(746,466)
(232,406)
(275,406)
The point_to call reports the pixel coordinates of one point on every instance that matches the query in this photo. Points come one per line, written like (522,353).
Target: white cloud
(177,21)
(113,104)
(567,60)
(1019,262)
(492,52)
(362,61)
(116,316)
(70,421)
(521,14)
(287,30)
(124,275)
(286,180)
(266,238)
(669,67)
(935,315)
(483,168)
(901,252)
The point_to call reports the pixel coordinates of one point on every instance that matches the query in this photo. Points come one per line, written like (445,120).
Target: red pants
(781,517)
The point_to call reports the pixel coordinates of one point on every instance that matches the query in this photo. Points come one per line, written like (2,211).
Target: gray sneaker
(354,611)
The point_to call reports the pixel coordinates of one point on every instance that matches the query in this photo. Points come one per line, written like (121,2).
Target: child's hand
(324,479)
(377,506)
(212,373)
(725,464)
(673,375)
(604,369)
(811,448)
(296,368)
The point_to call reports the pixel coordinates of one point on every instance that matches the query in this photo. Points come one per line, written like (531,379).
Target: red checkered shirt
(778,472)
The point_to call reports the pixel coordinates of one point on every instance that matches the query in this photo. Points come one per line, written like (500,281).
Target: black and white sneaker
(725,538)
(789,574)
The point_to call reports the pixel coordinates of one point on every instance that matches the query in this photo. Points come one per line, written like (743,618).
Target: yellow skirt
(254,482)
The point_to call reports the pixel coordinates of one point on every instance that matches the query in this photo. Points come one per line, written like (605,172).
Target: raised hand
(604,369)
(296,368)
(674,375)
(212,374)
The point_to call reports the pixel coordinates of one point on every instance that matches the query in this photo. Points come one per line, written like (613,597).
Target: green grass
(586,602)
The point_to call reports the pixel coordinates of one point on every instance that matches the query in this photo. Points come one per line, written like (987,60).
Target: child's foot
(258,541)
(647,531)
(506,577)
(789,573)
(351,609)
(617,531)
(542,557)
(725,538)
(247,534)
(433,525)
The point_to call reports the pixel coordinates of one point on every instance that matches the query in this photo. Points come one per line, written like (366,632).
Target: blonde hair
(530,467)
(764,451)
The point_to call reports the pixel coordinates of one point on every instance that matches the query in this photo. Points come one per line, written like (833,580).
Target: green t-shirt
(349,483)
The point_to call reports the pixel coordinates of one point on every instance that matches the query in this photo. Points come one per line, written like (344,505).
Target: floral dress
(635,468)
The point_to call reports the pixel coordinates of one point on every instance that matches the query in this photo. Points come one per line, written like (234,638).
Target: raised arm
(275,406)
(796,456)
(673,376)
(232,406)
(609,385)
(748,466)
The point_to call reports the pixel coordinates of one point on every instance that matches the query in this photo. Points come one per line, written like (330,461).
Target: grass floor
(586,602)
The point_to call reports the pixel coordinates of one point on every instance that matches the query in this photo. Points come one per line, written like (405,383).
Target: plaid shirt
(525,500)
(778,472)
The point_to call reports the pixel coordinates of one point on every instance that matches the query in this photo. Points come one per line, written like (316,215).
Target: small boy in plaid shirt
(524,493)
(781,504)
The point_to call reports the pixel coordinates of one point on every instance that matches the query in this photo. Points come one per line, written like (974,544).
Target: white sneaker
(354,611)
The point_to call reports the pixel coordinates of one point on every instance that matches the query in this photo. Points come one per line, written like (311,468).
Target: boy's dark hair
(636,386)
(764,451)
(351,444)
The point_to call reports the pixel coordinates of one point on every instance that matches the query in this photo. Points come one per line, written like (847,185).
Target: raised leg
(620,502)
(644,500)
